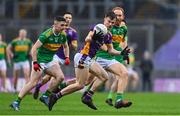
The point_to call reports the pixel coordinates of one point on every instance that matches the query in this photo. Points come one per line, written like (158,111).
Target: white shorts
(87,62)
(105,63)
(3,65)
(59,60)
(19,65)
(47,65)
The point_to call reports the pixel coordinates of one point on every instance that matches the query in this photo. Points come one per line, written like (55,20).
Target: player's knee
(60,78)
(125,73)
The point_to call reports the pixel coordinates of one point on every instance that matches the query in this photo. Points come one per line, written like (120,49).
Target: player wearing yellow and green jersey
(3,67)
(119,40)
(42,53)
(19,51)
(119,35)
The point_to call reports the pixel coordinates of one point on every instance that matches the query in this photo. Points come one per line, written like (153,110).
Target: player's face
(109,22)
(68,18)
(22,33)
(59,25)
(119,14)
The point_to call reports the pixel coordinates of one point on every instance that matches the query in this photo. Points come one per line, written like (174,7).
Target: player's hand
(67,61)
(36,66)
(98,35)
(125,51)
(81,64)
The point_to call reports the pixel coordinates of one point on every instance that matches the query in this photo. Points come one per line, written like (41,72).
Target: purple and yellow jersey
(71,38)
(71,35)
(50,45)
(90,48)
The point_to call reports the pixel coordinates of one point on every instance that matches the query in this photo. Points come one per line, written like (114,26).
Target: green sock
(47,93)
(89,87)
(18,100)
(62,85)
(119,97)
(110,95)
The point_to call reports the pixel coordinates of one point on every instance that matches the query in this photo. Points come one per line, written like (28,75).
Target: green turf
(143,104)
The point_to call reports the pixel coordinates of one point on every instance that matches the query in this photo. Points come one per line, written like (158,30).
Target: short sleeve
(108,39)
(42,38)
(74,36)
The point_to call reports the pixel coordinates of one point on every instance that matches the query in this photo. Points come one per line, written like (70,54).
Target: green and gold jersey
(51,43)
(118,36)
(3,46)
(131,59)
(21,49)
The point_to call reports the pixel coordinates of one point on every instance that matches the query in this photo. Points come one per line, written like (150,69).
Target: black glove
(125,53)
(97,35)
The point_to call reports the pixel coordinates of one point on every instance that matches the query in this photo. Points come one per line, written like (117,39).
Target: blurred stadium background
(153,25)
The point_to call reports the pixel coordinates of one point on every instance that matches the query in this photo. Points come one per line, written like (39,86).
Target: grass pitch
(143,104)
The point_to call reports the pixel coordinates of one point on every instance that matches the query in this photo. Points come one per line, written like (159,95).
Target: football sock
(58,95)
(47,93)
(89,95)
(39,85)
(18,100)
(62,85)
(110,95)
(119,97)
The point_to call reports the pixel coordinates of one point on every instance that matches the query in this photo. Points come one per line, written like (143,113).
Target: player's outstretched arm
(37,45)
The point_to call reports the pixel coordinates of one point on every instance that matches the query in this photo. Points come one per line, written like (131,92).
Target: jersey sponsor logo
(21,48)
(52,46)
(118,38)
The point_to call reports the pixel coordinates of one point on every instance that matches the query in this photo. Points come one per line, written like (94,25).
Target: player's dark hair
(111,15)
(67,12)
(60,18)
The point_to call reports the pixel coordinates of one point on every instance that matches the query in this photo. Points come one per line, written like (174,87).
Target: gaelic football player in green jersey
(42,55)
(19,51)
(119,38)
(59,56)
(3,67)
